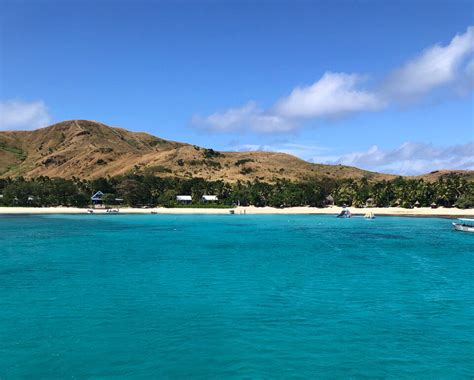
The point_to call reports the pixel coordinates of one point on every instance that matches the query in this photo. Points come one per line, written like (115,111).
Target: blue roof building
(97,197)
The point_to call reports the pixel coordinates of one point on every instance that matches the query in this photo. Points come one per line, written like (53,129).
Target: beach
(251,210)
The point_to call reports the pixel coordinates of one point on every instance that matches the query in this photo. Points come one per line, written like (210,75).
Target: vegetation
(142,190)
(243,161)
(211,153)
(246,170)
(465,200)
(14,150)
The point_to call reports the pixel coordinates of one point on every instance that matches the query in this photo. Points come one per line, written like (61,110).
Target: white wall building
(210,198)
(184,198)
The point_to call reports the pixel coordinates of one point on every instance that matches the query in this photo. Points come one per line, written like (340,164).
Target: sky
(385,86)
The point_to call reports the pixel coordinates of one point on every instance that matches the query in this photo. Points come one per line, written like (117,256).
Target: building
(209,198)
(184,199)
(97,198)
(329,201)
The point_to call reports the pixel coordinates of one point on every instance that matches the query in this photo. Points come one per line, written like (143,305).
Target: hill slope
(89,149)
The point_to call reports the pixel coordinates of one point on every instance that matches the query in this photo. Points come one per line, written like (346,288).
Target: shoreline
(250,210)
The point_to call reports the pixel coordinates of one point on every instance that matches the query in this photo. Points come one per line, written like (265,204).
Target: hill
(89,149)
(436,174)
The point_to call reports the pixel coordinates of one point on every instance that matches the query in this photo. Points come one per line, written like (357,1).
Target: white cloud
(340,94)
(15,114)
(248,117)
(408,159)
(412,158)
(434,67)
(335,94)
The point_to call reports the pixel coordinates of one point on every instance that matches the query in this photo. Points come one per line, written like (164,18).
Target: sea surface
(235,296)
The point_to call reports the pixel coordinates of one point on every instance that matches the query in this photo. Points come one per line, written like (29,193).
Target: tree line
(142,190)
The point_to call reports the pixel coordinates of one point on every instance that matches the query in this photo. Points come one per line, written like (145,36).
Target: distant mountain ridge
(89,149)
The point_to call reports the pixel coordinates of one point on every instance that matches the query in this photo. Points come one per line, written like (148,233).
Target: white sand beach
(251,210)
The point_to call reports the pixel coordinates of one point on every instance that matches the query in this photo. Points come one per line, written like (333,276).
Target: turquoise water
(155,296)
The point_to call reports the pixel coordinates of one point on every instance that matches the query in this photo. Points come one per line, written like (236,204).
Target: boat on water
(101,211)
(369,215)
(345,213)
(464,225)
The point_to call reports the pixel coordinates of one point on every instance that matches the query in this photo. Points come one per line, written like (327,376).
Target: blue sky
(383,86)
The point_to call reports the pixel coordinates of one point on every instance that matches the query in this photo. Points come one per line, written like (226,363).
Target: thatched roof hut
(329,200)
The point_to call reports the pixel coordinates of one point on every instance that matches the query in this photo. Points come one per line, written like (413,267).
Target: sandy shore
(422,211)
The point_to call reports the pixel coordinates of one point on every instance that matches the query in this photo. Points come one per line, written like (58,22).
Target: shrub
(246,170)
(211,153)
(243,161)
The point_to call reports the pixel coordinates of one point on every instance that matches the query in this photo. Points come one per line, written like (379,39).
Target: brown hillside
(89,149)
(435,175)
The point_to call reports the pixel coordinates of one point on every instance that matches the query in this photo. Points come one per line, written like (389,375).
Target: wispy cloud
(411,158)
(435,67)
(249,116)
(16,114)
(340,94)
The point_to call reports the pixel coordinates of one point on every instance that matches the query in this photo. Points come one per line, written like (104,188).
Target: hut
(369,202)
(417,204)
(329,201)
(398,202)
(434,205)
(97,198)
(184,199)
(209,198)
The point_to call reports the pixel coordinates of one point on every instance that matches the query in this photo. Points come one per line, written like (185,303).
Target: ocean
(234,296)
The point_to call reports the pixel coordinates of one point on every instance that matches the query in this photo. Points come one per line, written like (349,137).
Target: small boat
(369,215)
(345,213)
(464,225)
(90,211)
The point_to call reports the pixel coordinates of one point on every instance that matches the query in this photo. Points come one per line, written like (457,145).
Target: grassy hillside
(89,149)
